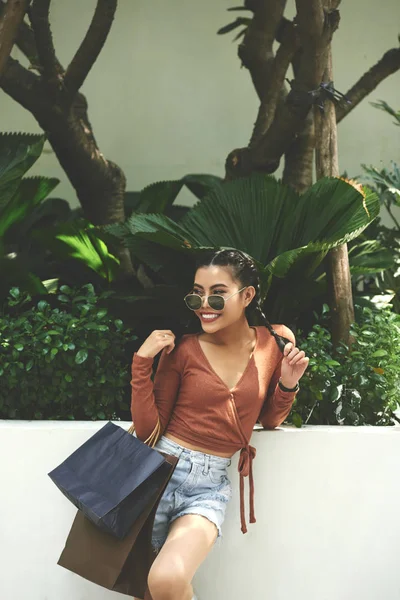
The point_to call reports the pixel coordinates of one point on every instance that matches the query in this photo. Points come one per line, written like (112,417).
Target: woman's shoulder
(280,329)
(185,345)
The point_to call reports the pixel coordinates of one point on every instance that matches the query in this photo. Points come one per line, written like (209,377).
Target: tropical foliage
(35,234)
(386,184)
(351,386)
(286,233)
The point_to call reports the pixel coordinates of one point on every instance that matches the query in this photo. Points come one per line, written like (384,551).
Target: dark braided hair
(244,270)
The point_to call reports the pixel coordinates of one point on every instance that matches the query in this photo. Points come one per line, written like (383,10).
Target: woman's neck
(238,334)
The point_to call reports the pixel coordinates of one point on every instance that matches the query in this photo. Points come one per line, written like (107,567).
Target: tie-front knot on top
(245,468)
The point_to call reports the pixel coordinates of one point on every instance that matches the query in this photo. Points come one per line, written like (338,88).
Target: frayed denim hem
(158,543)
(203,511)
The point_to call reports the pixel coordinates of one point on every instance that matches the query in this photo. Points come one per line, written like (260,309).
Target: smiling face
(219,280)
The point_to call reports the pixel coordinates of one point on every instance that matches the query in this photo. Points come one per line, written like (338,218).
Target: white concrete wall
(326,506)
(167,95)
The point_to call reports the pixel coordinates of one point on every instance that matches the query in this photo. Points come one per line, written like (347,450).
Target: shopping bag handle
(153,437)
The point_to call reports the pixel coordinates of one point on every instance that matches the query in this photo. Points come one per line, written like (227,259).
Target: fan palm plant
(286,233)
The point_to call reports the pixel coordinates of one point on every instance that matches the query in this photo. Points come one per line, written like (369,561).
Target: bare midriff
(196,448)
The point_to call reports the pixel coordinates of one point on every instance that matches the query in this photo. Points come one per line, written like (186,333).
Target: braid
(256,303)
(280,339)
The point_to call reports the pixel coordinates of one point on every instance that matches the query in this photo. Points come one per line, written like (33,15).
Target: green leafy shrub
(359,385)
(62,358)
(385,182)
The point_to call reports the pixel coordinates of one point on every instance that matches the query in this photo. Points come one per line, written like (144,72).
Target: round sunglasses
(215,301)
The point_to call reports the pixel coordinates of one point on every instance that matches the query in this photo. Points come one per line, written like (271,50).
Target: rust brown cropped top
(190,401)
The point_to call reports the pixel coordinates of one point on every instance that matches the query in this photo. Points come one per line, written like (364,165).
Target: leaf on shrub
(378,370)
(338,410)
(379,353)
(336,393)
(65,289)
(81,356)
(14,292)
(29,365)
(297,420)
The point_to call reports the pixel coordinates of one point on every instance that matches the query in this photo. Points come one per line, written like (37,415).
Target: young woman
(209,391)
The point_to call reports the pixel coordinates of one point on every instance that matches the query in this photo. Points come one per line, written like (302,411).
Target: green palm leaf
(30,193)
(155,228)
(265,218)
(18,152)
(159,196)
(78,240)
(370,257)
(275,225)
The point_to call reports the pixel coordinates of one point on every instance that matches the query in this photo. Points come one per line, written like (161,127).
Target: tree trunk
(99,183)
(298,171)
(299,158)
(336,261)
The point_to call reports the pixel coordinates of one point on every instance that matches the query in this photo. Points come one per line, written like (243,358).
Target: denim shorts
(198,486)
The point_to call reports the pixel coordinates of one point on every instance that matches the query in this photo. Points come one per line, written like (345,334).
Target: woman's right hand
(157,340)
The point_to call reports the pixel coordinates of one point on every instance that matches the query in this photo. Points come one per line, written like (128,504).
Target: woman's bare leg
(190,539)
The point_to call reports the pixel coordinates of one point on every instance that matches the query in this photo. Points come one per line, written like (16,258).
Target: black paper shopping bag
(112,478)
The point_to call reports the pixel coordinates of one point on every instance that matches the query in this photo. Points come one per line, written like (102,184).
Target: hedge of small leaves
(359,385)
(62,359)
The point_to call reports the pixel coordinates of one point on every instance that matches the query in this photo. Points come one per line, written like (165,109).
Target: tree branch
(39,17)
(289,120)
(387,65)
(280,64)
(20,84)
(12,14)
(27,44)
(91,45)
(256,50)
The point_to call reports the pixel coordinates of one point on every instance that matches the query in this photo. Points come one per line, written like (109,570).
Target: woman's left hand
(294,363)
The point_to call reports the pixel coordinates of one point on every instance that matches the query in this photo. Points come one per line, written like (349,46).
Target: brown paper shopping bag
(119,565)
